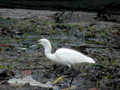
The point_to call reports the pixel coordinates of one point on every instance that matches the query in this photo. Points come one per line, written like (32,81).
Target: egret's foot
(58,79)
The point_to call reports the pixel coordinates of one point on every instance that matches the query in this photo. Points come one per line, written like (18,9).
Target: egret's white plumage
(64,56)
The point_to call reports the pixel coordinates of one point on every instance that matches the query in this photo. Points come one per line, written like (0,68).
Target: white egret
(64,56)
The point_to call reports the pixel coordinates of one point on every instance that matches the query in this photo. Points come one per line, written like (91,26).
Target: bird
(64,56)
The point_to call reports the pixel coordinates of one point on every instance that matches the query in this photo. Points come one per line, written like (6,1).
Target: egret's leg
(54,66)
(72,76)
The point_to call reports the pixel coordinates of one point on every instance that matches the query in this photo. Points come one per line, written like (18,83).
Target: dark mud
(99,40)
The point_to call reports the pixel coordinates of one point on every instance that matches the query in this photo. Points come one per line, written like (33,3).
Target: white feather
(64,56)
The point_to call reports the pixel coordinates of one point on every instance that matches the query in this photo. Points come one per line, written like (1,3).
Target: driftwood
(28,80)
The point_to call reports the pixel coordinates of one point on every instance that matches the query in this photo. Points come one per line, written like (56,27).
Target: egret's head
(44,42)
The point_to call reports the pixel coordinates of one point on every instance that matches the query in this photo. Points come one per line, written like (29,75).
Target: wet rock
(99,40)
(5,75)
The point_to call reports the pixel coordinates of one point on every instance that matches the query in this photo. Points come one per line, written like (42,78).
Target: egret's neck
(48,51)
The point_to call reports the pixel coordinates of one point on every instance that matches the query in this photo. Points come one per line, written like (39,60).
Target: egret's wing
(67,55)
(71,56)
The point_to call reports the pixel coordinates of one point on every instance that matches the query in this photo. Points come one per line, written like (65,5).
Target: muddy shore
(20,29)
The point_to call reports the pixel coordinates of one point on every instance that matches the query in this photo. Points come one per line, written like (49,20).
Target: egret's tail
(91,61)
